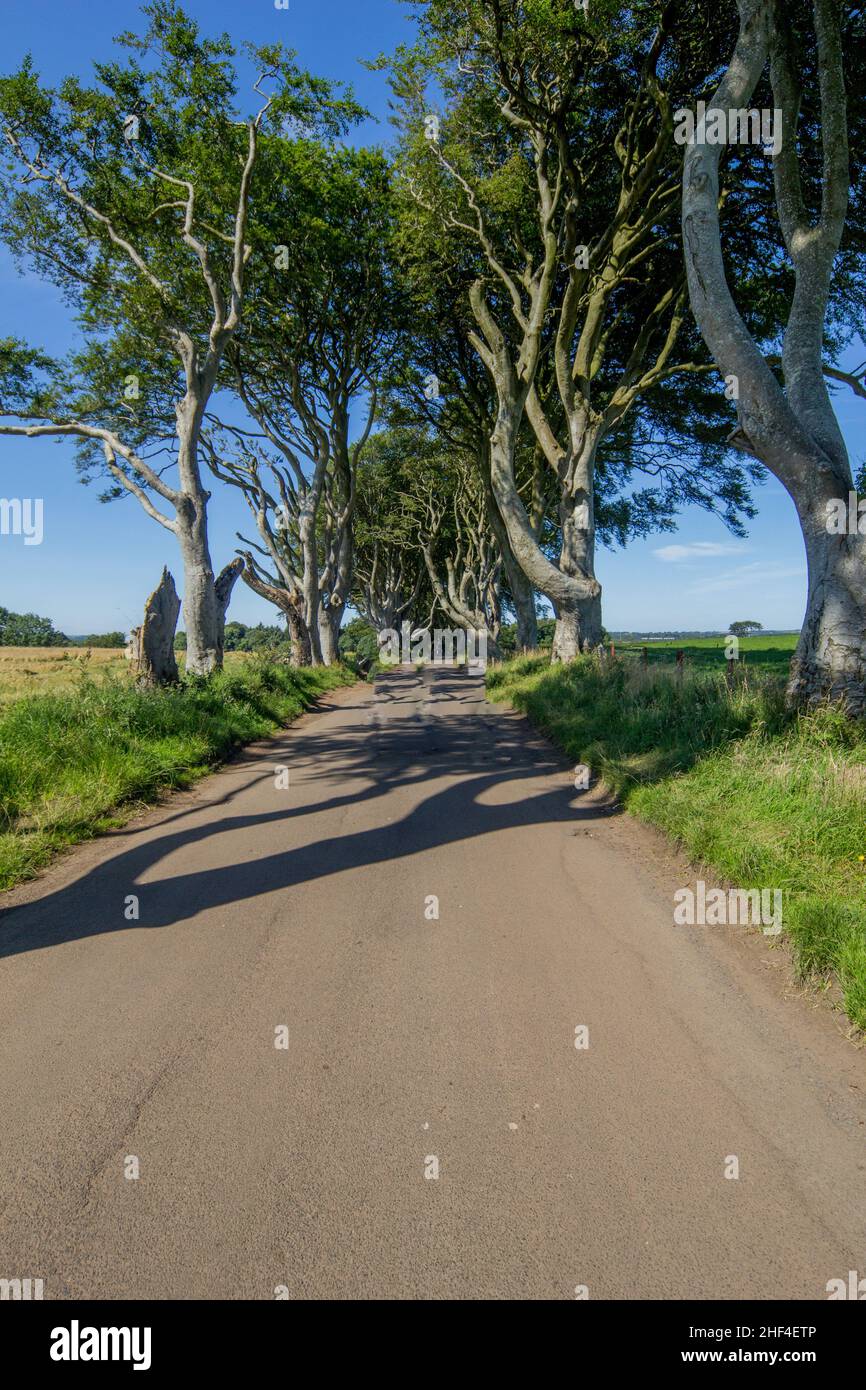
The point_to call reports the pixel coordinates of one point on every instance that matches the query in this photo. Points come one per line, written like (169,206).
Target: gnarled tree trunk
(290,603)
(830,659)
(152,644)
(519,585)
(575,596)
(793,432)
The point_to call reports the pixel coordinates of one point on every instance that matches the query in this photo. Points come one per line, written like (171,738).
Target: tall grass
(72,765)
(766,798)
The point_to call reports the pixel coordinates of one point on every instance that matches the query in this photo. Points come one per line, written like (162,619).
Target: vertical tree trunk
(830,659)
(225,583)
(523,598)
(520,587)
(794,433)
(329,620)
(299,637)
(578,625)
(152,644)
(575,596)
(577,630)
(201,617)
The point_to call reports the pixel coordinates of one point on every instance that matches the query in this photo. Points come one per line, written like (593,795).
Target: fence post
(644,659)
(681,656)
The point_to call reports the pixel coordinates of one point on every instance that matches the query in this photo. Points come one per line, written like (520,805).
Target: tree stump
(151,646)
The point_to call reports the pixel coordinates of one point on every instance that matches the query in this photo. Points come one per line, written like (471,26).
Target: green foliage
(262,637)
(72,766)
(545,76)
(29,630)
(102,216)
(103,639)
(358,641)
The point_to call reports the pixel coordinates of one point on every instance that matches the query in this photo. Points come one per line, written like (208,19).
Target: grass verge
(765,798)
(76,764)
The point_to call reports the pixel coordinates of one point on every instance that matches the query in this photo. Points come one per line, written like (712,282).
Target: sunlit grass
(39,670)
(73,762)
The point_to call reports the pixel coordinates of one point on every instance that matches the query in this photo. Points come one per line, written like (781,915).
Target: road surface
(417,1044)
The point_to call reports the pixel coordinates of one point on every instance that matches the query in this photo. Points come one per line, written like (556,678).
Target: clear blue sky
(97,563)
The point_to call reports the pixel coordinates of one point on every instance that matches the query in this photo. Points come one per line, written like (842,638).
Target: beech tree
(390,581)
(461,556)
(555,161)
(319,333)
(789,423)
(441,386)
(133,195)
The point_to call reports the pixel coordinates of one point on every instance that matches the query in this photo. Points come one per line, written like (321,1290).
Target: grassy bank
(73,764)
(764,798)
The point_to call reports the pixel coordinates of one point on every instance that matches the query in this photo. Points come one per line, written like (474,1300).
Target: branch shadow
(477,750)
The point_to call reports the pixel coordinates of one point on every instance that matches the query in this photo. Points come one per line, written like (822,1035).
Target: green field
(764,797)
(762,653)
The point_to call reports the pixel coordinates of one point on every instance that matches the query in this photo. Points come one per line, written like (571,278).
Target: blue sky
(97,563)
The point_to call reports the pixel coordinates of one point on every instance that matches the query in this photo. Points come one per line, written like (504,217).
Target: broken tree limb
(152,644)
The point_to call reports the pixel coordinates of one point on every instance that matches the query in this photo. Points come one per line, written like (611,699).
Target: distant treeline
(688,636)
(240,638)
(30,630)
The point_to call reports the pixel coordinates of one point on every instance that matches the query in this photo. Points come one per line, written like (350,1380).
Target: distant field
(38,670)
(762,653)
(44,670)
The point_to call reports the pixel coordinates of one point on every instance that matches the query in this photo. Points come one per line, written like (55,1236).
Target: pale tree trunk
(329,622)
(578,626)
(575,596)
(794,433)
(200,609)
(310,581)
(830,659)
(520,587)
(334,591)
(225,583)
(152,645)
(204,605)
(523,600)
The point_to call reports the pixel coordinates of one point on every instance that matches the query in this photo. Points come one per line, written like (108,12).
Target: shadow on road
(471,749)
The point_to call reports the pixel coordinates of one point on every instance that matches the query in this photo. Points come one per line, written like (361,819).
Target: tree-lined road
(410,1038)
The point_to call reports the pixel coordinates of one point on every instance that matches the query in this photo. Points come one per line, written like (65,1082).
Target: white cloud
(757,575)
(695,550)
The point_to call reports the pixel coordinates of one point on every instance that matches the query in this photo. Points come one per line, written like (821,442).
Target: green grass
(758,653)
(765,798)
(73,765)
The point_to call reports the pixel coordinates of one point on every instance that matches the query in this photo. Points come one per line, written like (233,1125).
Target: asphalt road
(310,1168)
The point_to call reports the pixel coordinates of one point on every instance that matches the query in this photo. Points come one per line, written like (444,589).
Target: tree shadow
(362,759)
